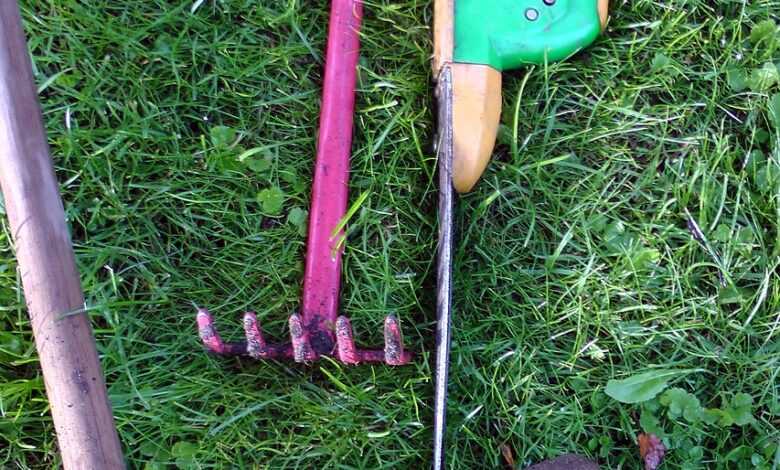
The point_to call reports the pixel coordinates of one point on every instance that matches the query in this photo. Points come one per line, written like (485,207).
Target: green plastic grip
(507,34)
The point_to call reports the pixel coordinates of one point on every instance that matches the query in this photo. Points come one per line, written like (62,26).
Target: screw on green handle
(507,34)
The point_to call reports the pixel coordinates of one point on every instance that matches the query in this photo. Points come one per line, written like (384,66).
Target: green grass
(574,264)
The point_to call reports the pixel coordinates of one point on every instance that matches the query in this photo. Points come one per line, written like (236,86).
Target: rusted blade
(444,264)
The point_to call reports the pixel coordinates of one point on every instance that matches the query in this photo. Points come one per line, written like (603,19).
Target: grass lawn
(576,262)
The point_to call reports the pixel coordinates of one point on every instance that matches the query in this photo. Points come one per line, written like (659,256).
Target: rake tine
(255,343)
(393,353)
(211,339)
(345,342)
(394,343)
(302,351)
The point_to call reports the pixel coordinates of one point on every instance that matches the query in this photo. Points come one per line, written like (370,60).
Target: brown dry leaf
(652,450)
(509,456)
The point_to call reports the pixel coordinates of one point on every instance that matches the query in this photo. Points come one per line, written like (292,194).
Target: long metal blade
(444,264)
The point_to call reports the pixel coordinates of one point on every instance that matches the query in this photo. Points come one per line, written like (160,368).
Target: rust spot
(321,341)
(296,329)
(207,333)
(254,348)
(393,349)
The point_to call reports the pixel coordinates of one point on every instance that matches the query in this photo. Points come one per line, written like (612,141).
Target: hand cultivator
(318,330)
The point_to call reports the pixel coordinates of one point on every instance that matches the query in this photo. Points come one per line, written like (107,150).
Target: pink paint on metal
(393,354)
(322,279)
(318,330)
(212,340)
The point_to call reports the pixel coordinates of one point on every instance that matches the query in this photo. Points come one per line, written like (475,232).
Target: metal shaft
(444,265)
(63,337)
(322,278)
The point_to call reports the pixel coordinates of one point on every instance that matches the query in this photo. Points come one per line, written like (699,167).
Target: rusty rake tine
(256,346)
(345,342)
(211,339)
(395,355)
(299,336)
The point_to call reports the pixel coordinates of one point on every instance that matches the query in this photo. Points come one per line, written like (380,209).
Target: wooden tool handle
(63,336)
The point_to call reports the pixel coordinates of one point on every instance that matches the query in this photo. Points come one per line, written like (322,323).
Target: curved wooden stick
(63,336)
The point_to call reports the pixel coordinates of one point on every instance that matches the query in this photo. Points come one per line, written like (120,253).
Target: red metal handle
(331,174)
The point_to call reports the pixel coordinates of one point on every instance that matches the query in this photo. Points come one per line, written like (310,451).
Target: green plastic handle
(507,34)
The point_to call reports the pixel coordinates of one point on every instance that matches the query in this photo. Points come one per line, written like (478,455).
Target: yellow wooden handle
(476,99)
(476,112)
(603,12)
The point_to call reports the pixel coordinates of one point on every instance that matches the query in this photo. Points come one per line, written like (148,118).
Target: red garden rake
(318,330)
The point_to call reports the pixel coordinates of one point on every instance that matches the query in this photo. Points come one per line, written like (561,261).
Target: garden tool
(318,330)
(474,41)
(69,360)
